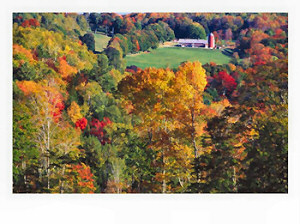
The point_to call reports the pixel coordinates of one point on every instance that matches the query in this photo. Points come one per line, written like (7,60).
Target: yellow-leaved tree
(170,106)
(74,112)
(186,102)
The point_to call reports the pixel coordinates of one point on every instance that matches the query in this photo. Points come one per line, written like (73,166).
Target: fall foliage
(84,123)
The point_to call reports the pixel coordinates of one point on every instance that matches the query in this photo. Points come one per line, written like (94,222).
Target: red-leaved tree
(97,129)
(81,123)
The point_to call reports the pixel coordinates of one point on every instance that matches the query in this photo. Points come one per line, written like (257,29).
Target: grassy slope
(101,41)
(173,56)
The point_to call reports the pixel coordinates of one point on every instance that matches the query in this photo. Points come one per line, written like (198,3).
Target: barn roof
(192,41)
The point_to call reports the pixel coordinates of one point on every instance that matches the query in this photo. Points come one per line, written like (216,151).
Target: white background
(147,208)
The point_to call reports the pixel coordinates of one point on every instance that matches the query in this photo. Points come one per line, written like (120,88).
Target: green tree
(196,31)
(89,40)
(115,58)
(25,151)
(267,158)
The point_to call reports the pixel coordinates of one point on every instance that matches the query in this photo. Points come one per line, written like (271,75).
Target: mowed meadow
(172,57)
(101,41)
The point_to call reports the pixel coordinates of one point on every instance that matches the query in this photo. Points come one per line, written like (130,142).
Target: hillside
(84,123)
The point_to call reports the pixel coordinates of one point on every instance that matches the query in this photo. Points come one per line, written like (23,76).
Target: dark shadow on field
(228,52)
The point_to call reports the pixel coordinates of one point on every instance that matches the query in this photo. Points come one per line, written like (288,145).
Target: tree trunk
(48,154)
(23,165)
(164,185)
(140,183)
(62,183)
(180,182)
(193,134)
(234,180)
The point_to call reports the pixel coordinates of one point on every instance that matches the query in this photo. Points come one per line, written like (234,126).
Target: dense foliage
(82,123)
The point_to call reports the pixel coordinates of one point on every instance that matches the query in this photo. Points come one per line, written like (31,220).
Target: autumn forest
(86,122)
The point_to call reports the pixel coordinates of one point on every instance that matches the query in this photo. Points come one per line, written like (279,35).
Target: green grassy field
(101,41)
(173,56)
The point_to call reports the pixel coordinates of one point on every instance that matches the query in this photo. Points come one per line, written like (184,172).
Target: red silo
(211,41)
